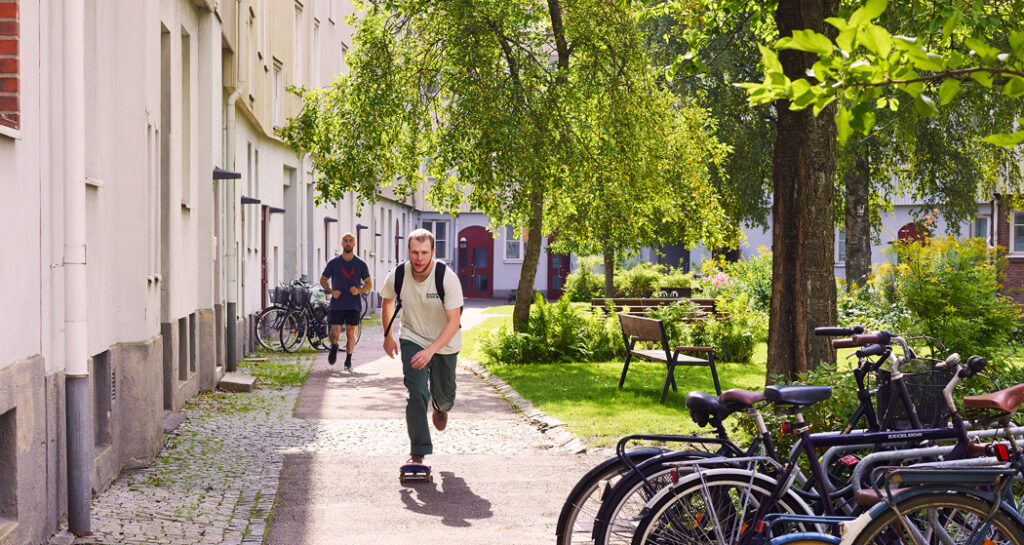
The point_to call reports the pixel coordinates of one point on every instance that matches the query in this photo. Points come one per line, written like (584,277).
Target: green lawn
(587,398)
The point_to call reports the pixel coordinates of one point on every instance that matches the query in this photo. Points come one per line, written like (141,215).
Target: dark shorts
(346,317)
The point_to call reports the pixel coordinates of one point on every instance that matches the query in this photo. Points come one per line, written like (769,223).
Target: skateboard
(414,472)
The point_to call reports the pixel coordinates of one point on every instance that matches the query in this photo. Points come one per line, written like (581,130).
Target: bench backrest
(674,292)
(642,306)
(641,329)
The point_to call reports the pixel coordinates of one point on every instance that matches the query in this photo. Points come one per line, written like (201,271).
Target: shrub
(583,284)
(947,289)
(734,336)
(640,280)
(752,276)
(557,332)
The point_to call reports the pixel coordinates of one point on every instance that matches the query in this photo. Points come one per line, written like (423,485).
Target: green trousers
(436,380)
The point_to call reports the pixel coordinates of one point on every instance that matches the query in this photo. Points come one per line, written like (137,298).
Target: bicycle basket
(300,295)
(925,389)
(281,295)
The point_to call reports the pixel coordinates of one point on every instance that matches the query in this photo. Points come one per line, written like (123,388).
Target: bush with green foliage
(557,332)
(734,335)
(583,284)
(943,288)
(752,276)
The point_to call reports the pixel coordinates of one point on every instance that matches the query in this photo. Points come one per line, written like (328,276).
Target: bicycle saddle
(797,395)
(703,407)
(1004,400)
(738,399)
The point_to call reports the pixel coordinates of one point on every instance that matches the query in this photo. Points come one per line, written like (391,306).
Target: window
(980,229)
(513,245)
(186,119)
(1017,240)
(440,230)
(297,53)
(10,85)
(841,246)
(278,94)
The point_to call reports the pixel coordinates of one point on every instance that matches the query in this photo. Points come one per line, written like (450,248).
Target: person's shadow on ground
(454,502)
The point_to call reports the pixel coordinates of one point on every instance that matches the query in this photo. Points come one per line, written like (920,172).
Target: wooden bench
(643,306)
(637,329)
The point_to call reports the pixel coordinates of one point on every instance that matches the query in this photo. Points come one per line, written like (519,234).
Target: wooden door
(476,262)
(558,269)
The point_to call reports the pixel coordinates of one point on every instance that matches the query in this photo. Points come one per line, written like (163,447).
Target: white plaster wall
(22,260)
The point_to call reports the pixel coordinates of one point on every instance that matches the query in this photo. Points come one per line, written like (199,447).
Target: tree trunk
(609,271)
(528,274)
(804,164)
(858,222)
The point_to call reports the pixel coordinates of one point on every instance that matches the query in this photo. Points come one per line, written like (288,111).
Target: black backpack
(439,270)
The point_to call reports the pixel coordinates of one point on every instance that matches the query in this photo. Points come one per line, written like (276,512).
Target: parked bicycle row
(297,316)
(921,469)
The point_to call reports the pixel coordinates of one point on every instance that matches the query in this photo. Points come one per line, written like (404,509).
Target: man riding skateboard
(430,339)
(346,277)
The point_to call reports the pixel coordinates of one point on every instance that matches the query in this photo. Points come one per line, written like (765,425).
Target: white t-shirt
(423,316)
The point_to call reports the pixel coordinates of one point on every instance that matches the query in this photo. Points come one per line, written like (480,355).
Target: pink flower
(719,279)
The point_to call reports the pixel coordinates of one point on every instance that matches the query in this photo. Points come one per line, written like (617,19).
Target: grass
(278,372)
(587,398)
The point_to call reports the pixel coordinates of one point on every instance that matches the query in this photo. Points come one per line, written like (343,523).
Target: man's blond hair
(419,235)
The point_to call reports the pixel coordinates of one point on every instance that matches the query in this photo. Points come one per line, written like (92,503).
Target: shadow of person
(455,503)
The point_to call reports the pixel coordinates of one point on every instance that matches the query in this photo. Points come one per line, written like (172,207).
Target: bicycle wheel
(616,518)
(576,520)
(941,518)
(714,507)
(319,332)
(293,331)
(364,305)
(268,327)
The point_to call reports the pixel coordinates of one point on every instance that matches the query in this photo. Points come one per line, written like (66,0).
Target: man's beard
(347,250)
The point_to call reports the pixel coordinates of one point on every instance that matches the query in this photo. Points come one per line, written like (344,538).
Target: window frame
(988,228)
(1013,227)
(840,247)
(507,236)
(438,254)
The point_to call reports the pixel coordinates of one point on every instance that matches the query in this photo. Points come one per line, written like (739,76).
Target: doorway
(558,270)
(476,262)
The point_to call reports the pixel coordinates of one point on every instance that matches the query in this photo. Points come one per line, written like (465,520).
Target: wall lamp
(276,210)
(221,174)
(249,200)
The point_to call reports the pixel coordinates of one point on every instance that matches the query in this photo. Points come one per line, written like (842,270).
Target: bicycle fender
(748,476)
(805,536)
(959,490)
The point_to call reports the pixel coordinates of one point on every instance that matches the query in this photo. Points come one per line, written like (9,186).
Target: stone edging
(551,427)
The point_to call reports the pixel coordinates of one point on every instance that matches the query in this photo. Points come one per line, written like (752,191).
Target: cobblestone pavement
(218,478)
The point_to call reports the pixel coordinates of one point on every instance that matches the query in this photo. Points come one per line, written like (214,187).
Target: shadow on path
(455,503)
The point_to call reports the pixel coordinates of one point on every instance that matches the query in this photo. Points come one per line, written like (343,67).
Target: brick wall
(1013,275)
(10,106)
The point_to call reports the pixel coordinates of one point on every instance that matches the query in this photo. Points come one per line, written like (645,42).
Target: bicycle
(306,320)
(626,492)
(270,320)
(747,491)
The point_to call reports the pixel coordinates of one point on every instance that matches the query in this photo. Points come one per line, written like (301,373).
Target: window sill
(13,134)
(512,260)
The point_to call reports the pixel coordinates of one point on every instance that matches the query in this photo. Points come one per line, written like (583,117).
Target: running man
(430,338)
(346,277)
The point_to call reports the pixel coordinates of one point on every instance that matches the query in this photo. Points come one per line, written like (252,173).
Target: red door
(476,262)
(558,269)
(263,256)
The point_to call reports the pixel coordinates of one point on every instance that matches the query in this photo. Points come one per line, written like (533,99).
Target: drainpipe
(76,366)
(231,255)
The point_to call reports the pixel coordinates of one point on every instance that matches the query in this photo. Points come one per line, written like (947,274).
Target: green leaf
(877,40)
(1006,140)
(925,106)
(806,40)
(881,103)
(838,22)
(950,24)
(955,60)
(983,78)
(1017,44)
(868,12)
(770,60)
(1015,87)
(948,90)
(845,39)
(843,128)
(984,51)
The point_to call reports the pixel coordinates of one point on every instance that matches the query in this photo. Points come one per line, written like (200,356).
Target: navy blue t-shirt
(343,275)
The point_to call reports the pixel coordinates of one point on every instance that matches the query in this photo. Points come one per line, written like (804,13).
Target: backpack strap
(399,280)
(439,270)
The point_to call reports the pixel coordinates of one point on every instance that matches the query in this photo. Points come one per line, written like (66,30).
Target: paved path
(323,459)
(497,479)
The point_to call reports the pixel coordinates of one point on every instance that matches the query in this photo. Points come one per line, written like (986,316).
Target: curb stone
(551,427)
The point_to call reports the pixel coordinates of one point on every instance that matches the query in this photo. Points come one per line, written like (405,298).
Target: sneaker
(333,355)
(348,362)
(440,419)
(348,366)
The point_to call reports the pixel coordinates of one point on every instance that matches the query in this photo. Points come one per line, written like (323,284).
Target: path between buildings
(497,479)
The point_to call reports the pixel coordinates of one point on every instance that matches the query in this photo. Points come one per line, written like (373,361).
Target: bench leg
(625,367)
(668,380)
(714,374)
(672,377)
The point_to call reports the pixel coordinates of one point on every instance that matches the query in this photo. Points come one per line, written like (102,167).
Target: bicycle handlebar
(844,343)
(838,331)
